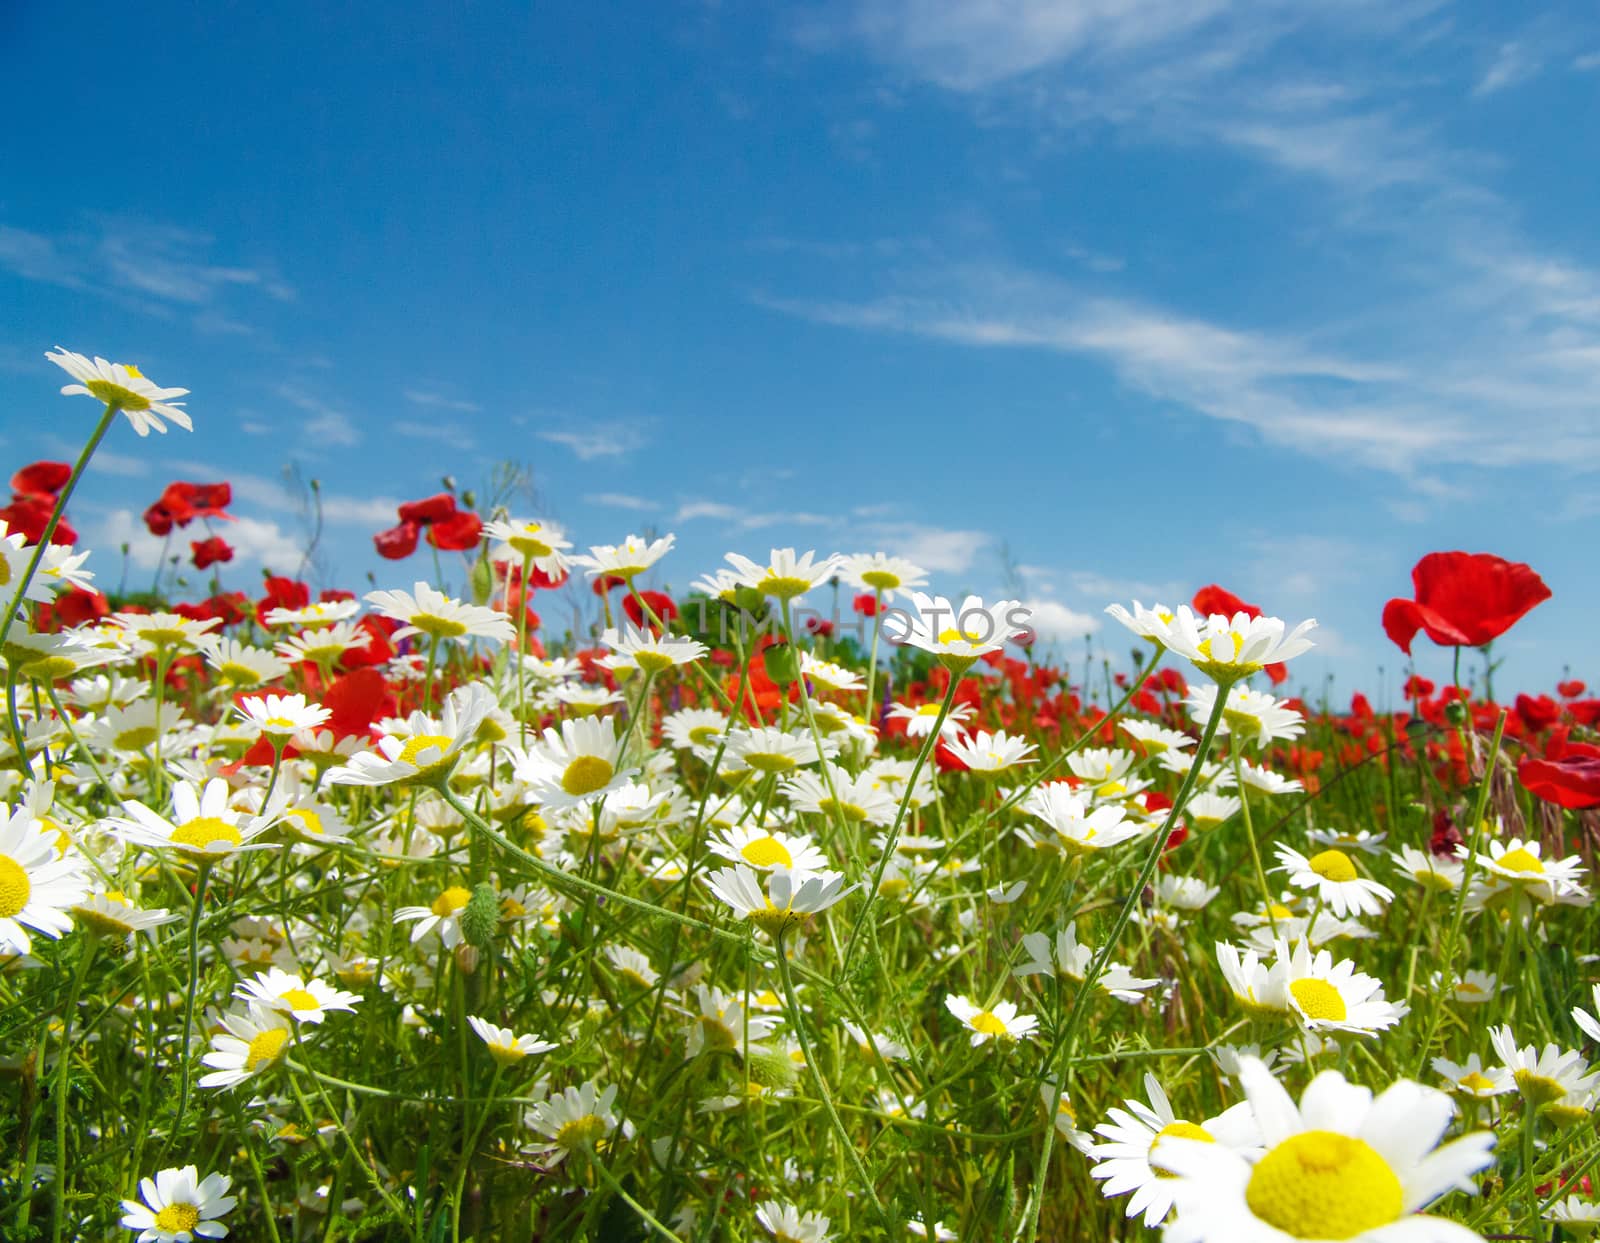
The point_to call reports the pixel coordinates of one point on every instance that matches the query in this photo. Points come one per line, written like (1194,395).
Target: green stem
(185,1069)
(63,1061)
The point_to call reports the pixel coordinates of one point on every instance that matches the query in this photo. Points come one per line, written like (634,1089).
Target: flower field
(399,915)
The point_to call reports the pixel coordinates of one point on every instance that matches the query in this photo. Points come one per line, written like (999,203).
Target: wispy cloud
(598,440)
(422,397)
(622,500)
(448,433)
(327,426)
(1513,64)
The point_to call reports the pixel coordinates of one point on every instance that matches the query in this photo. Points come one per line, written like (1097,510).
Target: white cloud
(1054,620)
(327,427)
(420,397)
(254,541)
(705,509)
(598,440)
(1513,64)
(936,549)
(621,500)
(452,434)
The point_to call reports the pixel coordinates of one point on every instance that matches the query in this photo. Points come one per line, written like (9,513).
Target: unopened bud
(772,1069)
(467,958)
(481,916)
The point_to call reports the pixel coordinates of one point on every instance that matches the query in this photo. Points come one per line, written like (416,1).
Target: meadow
(801,903)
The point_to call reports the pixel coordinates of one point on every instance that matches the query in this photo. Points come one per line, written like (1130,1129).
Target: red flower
(660,604)
(1569,777)
(1538,714)
(1463,599)
(184,502)
(1214,599)
(866,605)
(1418,688)
(78,605)
(42,479)
(820,626)
(1570,690)
(282,593)
(399,542)
(29,513)
(457,532)
(159,520)
(604,583)
(1446,837)
(429,510)
(208,552)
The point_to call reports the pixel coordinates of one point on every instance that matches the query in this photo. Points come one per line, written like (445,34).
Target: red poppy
(42,478)
(1418,688)
(398,542)
(77,605)
(457,532)
(1463,599)
(1569,775)
(866,605)
(659,603)
(429,510)
(29,514)
(602,586)
(184,502)
(1570,690)
(1538,713)
(282,593)
(159,520)
(232,606)
(819,626)
(329,595)
(208,552)
(1215,599)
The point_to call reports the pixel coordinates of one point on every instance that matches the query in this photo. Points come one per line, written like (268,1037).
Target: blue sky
(1129,296)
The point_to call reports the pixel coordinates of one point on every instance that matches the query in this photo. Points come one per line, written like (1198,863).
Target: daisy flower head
(779,900)
(304,1000)
(425,610)
(626,560)
(505,1046)
(110,914)
(1587,1023)
(1077,828)
(124,387)
(787,1224)
(689,728)
(1000,1024)
(987,753)
(1578,1217)
(861,799)
(649,653)
(316,616)
(180,1206)
(164,630)
(204,827)
(1543,1075)
(763,849)
(441,916)
(37,883)
(1257,987)
(919,719)
(1226,649)
(538,543)
(576,1119)
(1517,868)
(1429,870)
(881,573)
(1339,1165)
(1332,876)
(957,635)
(827,675)
(1473,1079)
(786,574)
(1126,1162)
(769,749)
(574,765)
(1153,623)
(426,753)
(1327,996)
(1253,716)
(241,665)
(252,1042)
(1073,959)
(281,716)
(1153,737)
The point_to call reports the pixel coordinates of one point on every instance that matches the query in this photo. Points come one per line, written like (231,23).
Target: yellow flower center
(1319,1000)
(581,1132)
(135,739)
(279,724)
(527,542)
(1474,1082)
(952,635)
(1333,865)
(1176,1130)
(116,395)
(651,661)
(201,832)
(766,852)
(883,580)
(1279,911)
(439,627)
(784,586)
(238,675)
(586,774)
(984,1021)
(266,1048)
(1323,1185)
(700,735)
(309,821)
(177,1217)
(1520,860)
(299,999)
(418,743)
(451,900)
(769,762)
(15,887)
(506,1054)
(1540,1089)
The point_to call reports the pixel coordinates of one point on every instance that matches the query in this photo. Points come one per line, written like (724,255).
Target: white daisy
(1332,875)
(252,1042)
(37,884)
(505,1046)
(179,1205)
(1254,716)
(576,1118)
(1543,1075)
(280,716)
(574,765)
(1077,828)
(427,750)
(763,849)
(649,653)
(626,560)
(204,828)
(785,575)
(919,719)
(305,1000)
(425,610)
(879,572)
(1473,1079)
(539,543)
(1327,996)
(778,900)
(991,753)
(787,1224)
(956,634)
(1002,1023)
(123,386)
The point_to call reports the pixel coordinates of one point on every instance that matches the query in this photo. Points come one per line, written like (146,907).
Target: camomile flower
(1077,828)
(626,560)
(919,719)
(827,675)
(632,965)
(574,765)
(1206,811)
(889,1049)
(1340,1165)
(1473,988)
(204,827)
(179,1205)
(576,1119)
(956,634)
(1256,986)
(145,404)
(1544,1075)
(280,716)
(1185,893)
(1154,738)
(1127,1163)
(318,615)
(505,1046)
(1430,870)
(1473,1079)
(1073,959)
(37,884)
(306,1000)
(1259,777)
(694,727)
(878,572)
(1332,876)
(425,610)
(1152,623)
(768,749)
(787,1224)
(1254,716)
(986,753)
(721,1025)
(252,1042)
(441,916)
(785,575)
(861,799)
(1578,1217)
(164,630)
(938,1232)
(1065,1118)
(538,543)
(1104,768)
(1587,1023)
(1518,866)
(110,914)
(426,752)
(1001,1024)
(323,645)
(240,665)
(1226,649)
(649,653)
(1363,840)
(1327,996)
(779,900)
(763,849)
(578,699)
